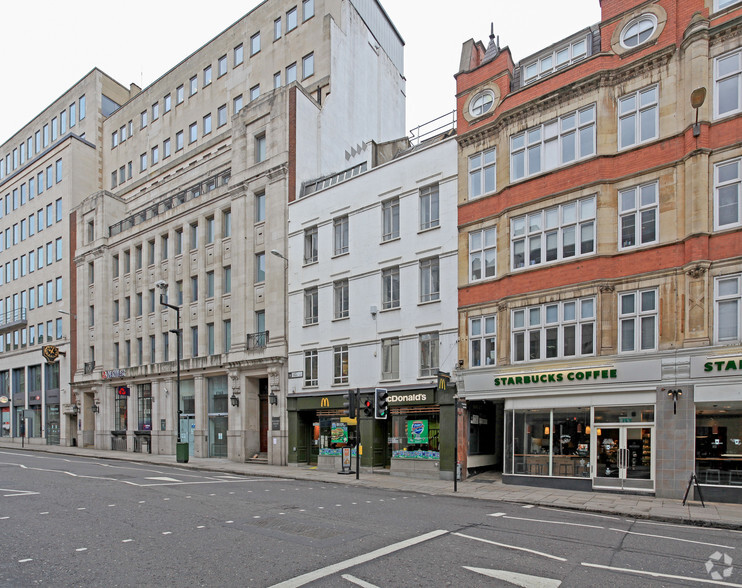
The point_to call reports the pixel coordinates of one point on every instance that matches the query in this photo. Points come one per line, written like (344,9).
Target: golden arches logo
(324,402)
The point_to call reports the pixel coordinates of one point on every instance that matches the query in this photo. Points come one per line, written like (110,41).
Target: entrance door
(218,436)
(314,442)
(187,428)
(624,458)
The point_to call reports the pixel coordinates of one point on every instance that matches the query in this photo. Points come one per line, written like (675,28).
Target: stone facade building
(184,194)
(600,252)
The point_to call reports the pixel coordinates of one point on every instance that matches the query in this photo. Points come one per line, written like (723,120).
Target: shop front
(718,425)
(319,429)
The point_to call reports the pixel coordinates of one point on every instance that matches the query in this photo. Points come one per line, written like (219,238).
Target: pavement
(487,486)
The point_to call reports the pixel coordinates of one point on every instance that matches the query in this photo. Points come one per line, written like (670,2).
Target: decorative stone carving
(696,272)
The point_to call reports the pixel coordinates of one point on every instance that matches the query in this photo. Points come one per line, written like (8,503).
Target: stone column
(674,441)
(200,434)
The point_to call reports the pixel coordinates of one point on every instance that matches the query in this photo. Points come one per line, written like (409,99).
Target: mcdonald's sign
(324,402)
(443,378)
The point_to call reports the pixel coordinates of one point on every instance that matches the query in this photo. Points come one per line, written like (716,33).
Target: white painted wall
(361,199)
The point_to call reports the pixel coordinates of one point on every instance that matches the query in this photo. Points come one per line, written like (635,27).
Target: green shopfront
(416,440)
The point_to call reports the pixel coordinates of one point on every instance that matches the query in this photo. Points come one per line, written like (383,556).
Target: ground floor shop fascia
(642,424)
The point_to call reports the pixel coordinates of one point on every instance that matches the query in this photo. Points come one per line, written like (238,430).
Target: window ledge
(390,309)
(383,242)
(426,302)
(340,318)
(433,228)
(336,255)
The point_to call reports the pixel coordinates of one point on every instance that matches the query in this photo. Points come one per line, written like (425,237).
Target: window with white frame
(482,173)
(553,144)
(722,4)
(340,364)
(637,320)
(482,103)
(638,30)
(307,66)
(727,301)
(390,219)
(553,234)
(638,215)
(728,83)
(429,209)
(554,330)
(482,254)
(390,288)
(291,19)
(428,354)
(561,57)
(390,359)
(311,306)
(311,245)
(340,235)
(310,368)
(430,280)
(638,117)
(727,194)
(341,294)
(482,338)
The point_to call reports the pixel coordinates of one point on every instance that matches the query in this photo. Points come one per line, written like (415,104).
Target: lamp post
(180,452)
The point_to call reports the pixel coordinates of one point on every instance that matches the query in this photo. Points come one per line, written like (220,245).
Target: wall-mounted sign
(405,398)
(417,431)
(723,365)
(562,376)
(122,391)
(108,374)
(4,400)
(293,375)
(324,402)
(50,353)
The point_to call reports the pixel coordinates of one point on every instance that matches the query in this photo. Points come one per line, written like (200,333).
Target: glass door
(218,436)
(187,427)
(624,458)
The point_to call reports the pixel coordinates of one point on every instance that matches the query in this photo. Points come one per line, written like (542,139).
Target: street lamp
(181,454)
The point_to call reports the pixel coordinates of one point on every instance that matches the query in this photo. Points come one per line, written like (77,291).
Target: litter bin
(181,452)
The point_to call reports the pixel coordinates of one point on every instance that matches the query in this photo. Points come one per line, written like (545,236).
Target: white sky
(47,45)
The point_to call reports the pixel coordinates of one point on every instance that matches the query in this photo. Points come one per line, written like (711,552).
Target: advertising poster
(339,433)
(417,431)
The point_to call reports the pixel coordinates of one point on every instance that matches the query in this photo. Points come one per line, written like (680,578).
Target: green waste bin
(181,452)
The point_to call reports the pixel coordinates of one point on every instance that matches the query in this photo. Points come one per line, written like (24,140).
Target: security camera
(161,284)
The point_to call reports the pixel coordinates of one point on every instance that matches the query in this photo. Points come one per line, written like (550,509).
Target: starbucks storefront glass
(548,442)
(719,443)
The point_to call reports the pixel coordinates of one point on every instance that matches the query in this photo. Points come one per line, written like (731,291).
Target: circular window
(638,30)
(481,103)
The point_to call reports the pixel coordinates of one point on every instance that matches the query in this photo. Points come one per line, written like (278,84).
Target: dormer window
(561,57)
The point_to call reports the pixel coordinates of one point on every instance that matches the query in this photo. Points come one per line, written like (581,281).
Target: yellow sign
(325,402)
(348,421)
(443,378)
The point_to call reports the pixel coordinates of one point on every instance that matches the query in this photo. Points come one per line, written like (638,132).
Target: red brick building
(600,242)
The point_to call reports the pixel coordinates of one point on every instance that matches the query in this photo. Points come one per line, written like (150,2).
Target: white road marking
(167,532)
(111,505)
(497,514)
(507,546)
(161,479)
(4,518)
(166,499)
(127,540)
(672,538)
(81,549)
(658,575)
(142,501)
(688,527)
(523,580)
(525,506)
(44,513)
(579,512)
(229,522)
(358,581)
(256,517)
(552,522)
(338,505)
(82,508)
(354,561)
(25,560)
(17,492)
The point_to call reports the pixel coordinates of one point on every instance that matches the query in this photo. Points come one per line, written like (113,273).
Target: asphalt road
(69,521)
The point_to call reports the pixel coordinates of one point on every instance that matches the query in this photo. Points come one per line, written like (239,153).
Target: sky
(48,45)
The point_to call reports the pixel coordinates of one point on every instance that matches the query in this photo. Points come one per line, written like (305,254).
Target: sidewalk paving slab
(720,515)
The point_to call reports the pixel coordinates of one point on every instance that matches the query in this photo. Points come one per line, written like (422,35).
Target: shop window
(548,442)
(415,434)
(719,443)
(144,407)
